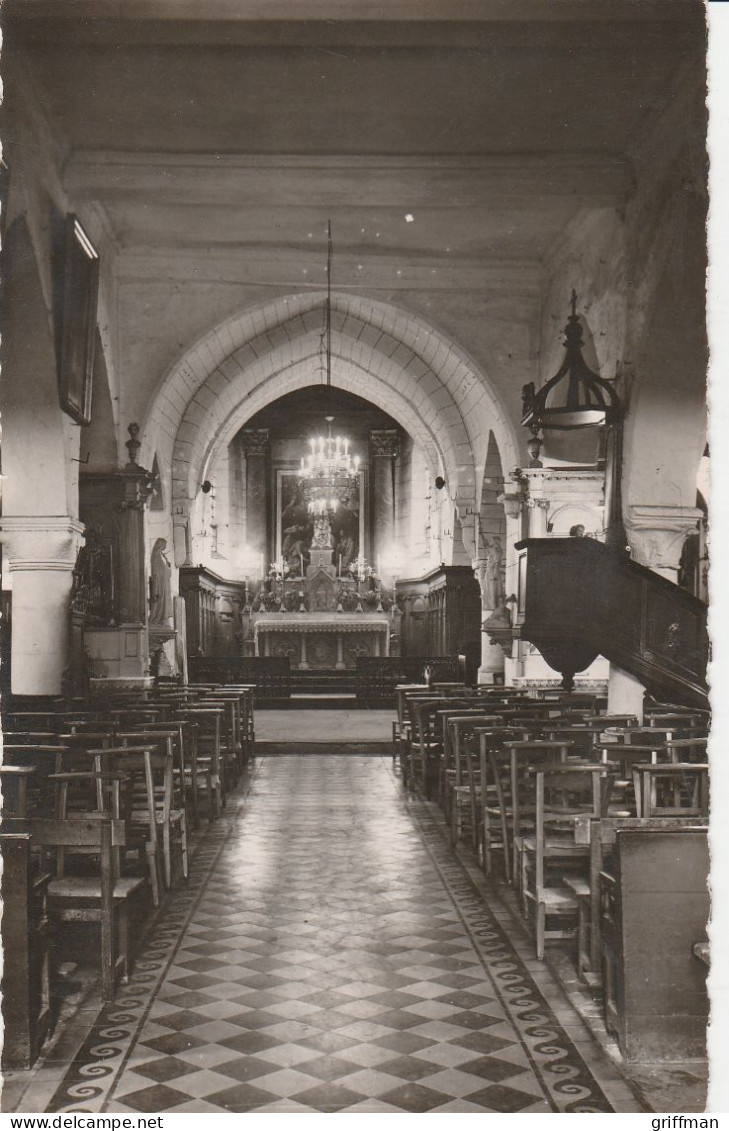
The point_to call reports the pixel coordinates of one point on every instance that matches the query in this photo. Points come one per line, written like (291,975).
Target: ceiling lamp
(575,397)
(329,470)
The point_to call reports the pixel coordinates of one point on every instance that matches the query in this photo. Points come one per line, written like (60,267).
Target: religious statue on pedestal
(160,585)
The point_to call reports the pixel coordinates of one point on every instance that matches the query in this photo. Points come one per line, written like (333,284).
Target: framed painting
(78,322)
(295,529)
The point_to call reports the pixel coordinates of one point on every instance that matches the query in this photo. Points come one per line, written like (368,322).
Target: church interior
(355,481)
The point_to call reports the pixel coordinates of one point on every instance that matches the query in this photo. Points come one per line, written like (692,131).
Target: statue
(160,585)
(492,585)
(322,533)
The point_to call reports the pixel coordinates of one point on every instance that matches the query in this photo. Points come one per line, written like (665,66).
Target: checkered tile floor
(326,966)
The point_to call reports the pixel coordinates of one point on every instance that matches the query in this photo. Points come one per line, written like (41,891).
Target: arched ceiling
(398,362)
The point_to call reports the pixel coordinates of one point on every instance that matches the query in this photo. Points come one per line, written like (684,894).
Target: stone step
(319,701)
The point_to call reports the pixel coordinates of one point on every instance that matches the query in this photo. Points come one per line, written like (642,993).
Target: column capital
(40,524)
(385,442)
(656,534)
(662,516)
(41,541)
(255,441)
(512,502)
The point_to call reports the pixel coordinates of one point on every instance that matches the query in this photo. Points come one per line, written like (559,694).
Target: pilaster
(384,450)
(256,446)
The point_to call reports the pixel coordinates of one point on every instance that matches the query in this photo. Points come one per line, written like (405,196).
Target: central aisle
(331,954)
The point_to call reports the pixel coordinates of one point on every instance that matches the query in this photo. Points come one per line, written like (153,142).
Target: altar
(322,639)
(320,618)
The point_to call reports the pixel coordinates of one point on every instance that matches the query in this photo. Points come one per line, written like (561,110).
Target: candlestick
(301,559)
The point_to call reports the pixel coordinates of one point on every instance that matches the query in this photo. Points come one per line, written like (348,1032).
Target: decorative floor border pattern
(568,1084)
(103,1055)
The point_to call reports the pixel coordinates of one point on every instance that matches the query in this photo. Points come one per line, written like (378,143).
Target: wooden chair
(247,729)
(495,772)
(136,716)
(406,730)
(207,722)
(103,898)
(15,789)
(135,762)
(563,791)
(30,737)
(231,750)
(184,747)
(522,755)
(157,806)
(426,747)
(463,792)
(687,749)
(672,789)
(46,759)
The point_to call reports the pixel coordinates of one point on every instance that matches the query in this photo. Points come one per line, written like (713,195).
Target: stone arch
(404,365)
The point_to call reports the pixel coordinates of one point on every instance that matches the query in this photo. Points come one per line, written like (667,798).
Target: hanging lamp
(576,397)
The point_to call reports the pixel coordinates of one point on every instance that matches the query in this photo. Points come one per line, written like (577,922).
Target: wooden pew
(25,984)
(655,907)
(102,898)
(601,836)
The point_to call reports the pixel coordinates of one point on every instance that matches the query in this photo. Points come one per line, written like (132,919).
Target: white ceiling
(228,125)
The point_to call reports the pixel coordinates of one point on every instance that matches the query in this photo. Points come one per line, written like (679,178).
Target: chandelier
(329,470)
(329,459)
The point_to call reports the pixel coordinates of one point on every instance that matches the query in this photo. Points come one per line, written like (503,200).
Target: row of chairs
(517,777)
(99,798)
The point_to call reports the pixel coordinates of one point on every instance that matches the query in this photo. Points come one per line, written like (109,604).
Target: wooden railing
(378,677)
(271,674)
(578,599)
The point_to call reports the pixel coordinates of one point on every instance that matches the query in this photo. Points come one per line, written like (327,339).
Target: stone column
(340,665)
(625,694)
(255,443)
(538,510)
(41,552)
(656,535)
(303,662)
(384,450)
(181,535)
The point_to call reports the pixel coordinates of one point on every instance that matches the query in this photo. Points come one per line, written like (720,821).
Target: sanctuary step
(322,689)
